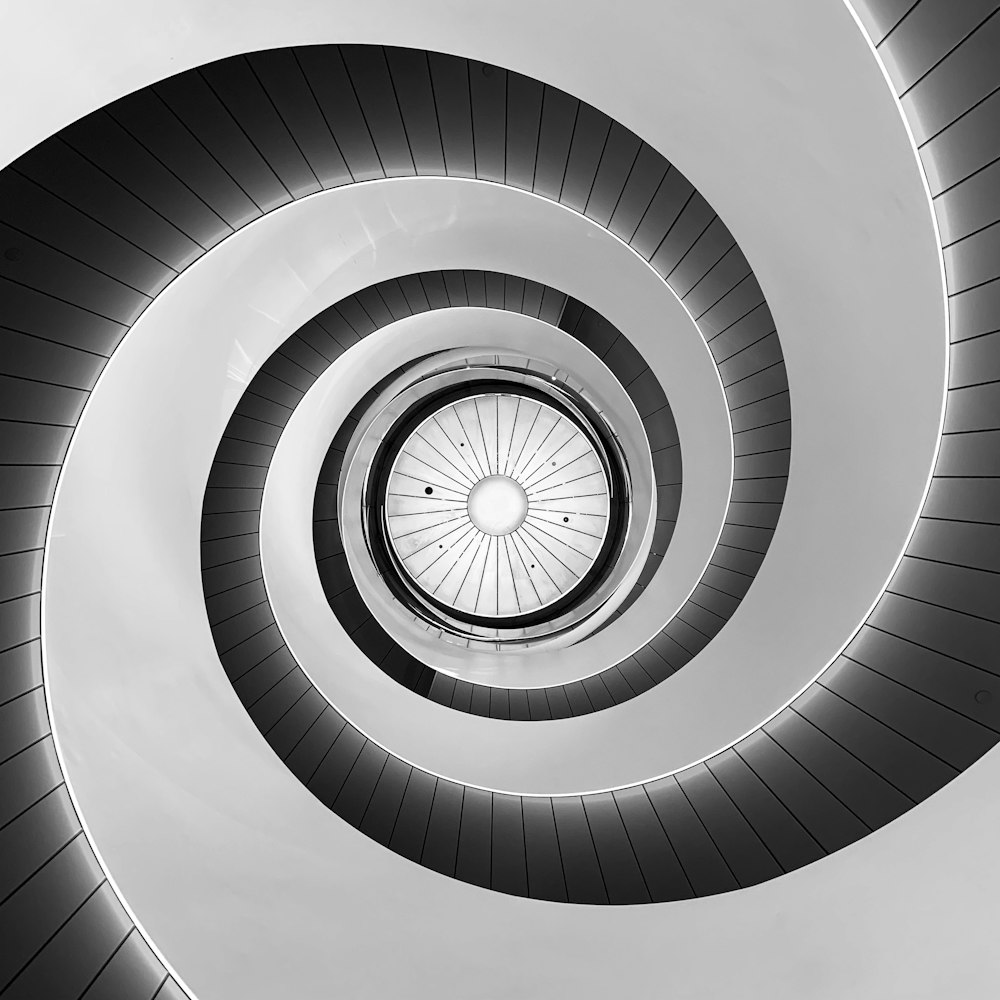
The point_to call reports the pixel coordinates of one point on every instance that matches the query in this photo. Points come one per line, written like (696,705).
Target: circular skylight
(497,505)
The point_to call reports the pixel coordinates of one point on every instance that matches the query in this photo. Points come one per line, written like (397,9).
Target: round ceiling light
(497,505)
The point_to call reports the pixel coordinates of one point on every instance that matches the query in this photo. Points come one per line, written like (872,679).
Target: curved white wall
(800,150)
(217,323)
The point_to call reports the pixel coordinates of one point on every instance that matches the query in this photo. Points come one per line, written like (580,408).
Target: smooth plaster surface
(799,147)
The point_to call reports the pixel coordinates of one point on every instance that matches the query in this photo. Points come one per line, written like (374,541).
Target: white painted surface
(230,312)
(246,882)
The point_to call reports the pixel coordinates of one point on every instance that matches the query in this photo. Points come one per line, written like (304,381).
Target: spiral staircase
(500,502)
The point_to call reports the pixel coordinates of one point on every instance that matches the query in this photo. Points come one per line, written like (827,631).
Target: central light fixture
(497,505)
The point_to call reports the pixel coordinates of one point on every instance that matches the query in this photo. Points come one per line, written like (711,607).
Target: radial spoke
(436,524)
(475,539)
(448,460)
(434,541)
(565,527)
(444,475)
(561,468)
(473,473)
(575,496)
(568,482)
(411,496)
(524,442)
(469,539)
(510,570)
(483,574)
(520,476)
(483,471)
(420,513)
(468,528)
(513,430)
(527,528)
(482,434)
(552,455)
(524,539)
(527,573)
